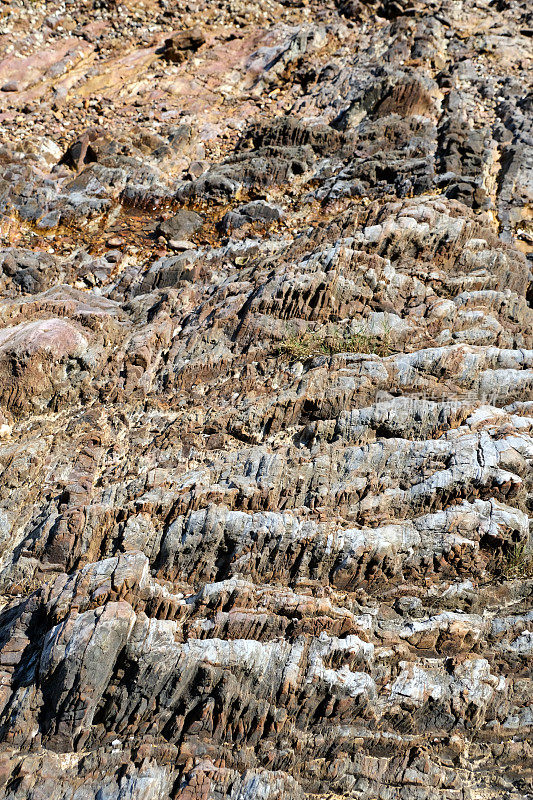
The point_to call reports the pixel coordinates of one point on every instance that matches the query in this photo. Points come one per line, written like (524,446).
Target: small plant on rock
(300,347)
(519,563)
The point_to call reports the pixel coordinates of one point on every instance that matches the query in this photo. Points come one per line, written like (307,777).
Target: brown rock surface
(266,400)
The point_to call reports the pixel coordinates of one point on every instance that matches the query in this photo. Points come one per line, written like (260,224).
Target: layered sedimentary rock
(266,401)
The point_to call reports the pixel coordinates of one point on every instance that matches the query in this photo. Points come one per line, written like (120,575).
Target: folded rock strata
(266,400)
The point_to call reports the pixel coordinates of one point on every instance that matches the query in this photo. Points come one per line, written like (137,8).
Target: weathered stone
(177,47)
(266,415)
(181,225)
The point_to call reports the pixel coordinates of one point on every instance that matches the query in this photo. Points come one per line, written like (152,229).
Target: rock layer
(266,401)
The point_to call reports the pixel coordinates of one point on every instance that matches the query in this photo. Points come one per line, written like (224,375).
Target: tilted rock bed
(266,401)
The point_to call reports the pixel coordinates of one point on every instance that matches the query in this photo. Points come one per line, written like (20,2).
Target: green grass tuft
(300,347)
(519,562)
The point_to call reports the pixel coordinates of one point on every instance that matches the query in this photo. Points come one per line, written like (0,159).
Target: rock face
(266,400)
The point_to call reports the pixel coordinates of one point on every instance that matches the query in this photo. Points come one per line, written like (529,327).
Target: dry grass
(300,347)
(519,562)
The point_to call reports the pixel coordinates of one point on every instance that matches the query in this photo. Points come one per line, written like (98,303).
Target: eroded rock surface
(266,400)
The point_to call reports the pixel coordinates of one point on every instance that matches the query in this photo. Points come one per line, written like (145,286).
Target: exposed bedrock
(266,400)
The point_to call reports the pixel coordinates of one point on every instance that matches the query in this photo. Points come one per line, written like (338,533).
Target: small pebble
(115,241)
(181,244)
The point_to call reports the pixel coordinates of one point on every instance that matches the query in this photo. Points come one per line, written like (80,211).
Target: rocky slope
(266,400)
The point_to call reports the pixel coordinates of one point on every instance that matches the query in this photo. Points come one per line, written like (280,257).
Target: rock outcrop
(266,400)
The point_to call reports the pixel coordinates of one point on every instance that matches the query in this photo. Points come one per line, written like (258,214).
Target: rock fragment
(182,224)
(178,47)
